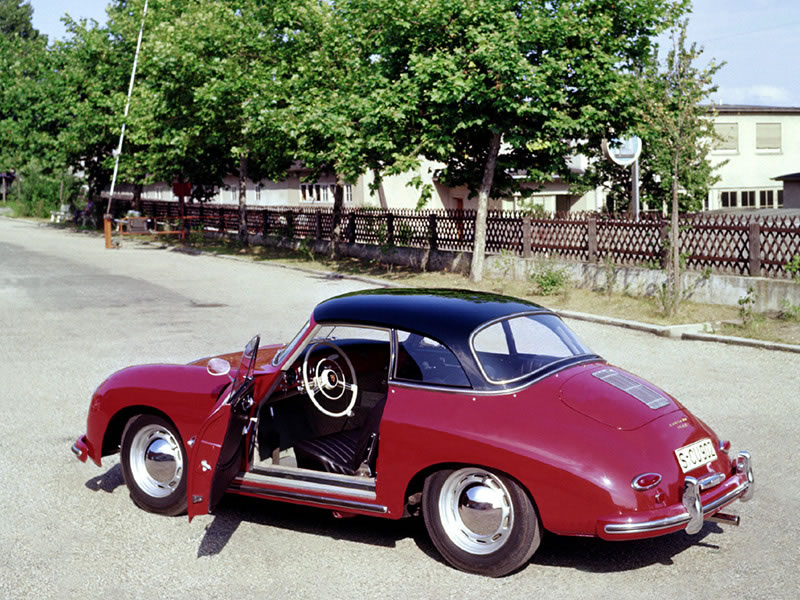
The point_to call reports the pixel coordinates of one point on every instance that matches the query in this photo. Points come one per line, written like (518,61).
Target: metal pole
(635,188)
(118,151)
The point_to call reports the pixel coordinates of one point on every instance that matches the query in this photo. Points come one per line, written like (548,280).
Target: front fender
(185,394)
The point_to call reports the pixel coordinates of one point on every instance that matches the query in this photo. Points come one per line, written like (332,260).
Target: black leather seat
(344,451)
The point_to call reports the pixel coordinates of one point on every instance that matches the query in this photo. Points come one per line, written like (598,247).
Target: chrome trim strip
(315,487)
(494,392)
(239,486)
(355,482)
(658,524)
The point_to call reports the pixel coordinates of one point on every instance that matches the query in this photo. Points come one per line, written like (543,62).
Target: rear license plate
(696,455)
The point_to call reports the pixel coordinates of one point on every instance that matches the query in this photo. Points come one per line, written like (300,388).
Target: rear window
(516,347)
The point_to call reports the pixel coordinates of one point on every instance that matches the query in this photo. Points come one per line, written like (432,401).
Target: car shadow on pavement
(108,481)
(600,556)
(233,510)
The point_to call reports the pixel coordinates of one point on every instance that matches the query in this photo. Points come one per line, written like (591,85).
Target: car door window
(424,360)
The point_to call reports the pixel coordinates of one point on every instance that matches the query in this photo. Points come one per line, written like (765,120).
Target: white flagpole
(118,151)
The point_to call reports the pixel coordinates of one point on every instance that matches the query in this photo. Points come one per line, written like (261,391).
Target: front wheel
(154,465)
(480,521)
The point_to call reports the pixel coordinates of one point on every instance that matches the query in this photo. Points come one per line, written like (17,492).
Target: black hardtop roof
(447,315)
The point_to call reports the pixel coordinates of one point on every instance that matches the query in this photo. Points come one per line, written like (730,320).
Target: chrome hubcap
(476,510)
(156,461)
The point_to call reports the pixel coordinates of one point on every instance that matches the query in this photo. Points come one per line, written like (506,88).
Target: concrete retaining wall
(769,294)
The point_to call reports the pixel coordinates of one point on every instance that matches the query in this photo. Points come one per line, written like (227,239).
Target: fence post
(433,240)
(351,228)
(390,229)
(318,226)
(663,242)
(754,244)
(591,238)
(289,224)
(526,237)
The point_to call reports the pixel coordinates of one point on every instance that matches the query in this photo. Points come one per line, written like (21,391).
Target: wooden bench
(141,226)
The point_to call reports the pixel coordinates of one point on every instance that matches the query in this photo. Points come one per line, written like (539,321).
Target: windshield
(518,346)
(289,348)
(247,365)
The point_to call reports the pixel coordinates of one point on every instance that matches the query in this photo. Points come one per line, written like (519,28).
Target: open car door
(220,445)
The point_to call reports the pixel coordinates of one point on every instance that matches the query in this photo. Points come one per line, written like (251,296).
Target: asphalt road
(71,313)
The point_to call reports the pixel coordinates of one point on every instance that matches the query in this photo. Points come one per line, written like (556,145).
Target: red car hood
(265,356)
(616,398)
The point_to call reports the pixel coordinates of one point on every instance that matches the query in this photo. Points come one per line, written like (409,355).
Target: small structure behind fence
(733,244)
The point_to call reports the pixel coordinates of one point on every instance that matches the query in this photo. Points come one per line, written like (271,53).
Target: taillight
(645,481)
(725,446)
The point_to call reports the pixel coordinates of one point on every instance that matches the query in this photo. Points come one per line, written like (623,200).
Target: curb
(739,341)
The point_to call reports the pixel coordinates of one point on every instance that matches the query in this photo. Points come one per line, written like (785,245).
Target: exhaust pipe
(725,518)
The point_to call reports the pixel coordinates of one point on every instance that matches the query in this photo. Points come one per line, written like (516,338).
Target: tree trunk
(479,248)
(338,202)
(137,197)
(243,234)
(674,244)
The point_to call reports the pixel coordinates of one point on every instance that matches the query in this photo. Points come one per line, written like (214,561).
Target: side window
(423,360)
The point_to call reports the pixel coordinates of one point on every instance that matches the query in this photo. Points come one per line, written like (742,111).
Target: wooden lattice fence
(734,244)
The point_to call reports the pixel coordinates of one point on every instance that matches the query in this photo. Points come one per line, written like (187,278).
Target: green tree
(676,106)
(502,91)
(663,109)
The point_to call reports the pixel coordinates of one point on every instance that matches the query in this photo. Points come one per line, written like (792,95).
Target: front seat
(351,452)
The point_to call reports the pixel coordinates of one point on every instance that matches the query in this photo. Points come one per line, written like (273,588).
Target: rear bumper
(81,449)
(692,510)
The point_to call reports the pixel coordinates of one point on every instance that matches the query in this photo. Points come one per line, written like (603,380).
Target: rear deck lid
(615,398)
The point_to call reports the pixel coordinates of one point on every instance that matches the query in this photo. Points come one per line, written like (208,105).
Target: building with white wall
(758,144)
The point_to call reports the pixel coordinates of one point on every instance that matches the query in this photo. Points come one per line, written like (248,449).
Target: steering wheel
(329,379)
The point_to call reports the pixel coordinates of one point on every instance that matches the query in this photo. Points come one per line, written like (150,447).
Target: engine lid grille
(644,394)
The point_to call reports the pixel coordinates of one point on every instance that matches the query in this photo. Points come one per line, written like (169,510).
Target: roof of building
(748,109)
(789,177)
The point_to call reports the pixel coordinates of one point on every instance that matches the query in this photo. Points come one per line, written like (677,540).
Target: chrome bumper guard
(695,510)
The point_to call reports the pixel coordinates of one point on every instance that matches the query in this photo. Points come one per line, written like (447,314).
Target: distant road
(71,313)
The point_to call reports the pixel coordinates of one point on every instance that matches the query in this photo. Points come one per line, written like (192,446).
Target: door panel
(218,453)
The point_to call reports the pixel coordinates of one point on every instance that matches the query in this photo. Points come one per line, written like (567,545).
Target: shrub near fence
(733,244)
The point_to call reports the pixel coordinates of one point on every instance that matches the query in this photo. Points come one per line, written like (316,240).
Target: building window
(765,198)
(234,194)
(728,199)
(258,193)
(768,136)
(727,135)
(323,192)
(748,199)
(780,198)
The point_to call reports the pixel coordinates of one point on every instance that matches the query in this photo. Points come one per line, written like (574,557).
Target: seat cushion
(333,453)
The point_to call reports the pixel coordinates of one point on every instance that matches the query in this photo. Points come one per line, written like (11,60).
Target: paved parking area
(71,313)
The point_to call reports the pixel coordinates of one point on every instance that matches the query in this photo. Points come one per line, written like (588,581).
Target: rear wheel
(480,521)
(154,465)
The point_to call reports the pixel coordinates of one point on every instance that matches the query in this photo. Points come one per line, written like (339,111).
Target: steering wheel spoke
(328,379)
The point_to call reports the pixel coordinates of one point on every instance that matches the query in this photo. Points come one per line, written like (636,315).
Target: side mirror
(218,367)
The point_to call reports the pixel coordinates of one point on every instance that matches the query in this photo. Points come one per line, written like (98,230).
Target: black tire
(480,521)
(154,465)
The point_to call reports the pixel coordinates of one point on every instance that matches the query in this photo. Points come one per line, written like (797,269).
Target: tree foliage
(675,116)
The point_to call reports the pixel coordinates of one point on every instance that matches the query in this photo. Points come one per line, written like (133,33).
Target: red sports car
(483,413)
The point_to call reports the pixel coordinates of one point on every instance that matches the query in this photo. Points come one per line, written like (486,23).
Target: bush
(35,192)
(550,279)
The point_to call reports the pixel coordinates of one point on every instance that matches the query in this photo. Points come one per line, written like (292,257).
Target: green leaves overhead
(346,86)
